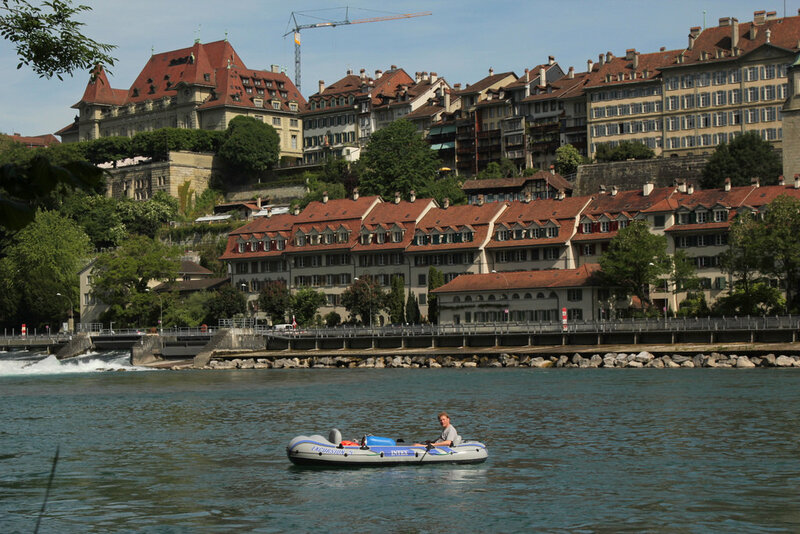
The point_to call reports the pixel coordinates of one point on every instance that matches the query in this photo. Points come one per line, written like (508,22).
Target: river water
(570,450)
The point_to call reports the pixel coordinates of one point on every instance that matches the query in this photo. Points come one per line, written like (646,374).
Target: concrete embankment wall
(79,344)
(229,339)
(628,175)
(143,352)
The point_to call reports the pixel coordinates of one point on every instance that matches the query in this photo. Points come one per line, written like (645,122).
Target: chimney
(362,74)
(297,210)
(571,73)
(755,182)
(635,62)
(781,180)
(552,169)
(269,212)
(589,65)
(609,57)
(647,188)
(797,176)
(759,17)
(561,195)
(275,68)
(602,189)
(772,15)
(527,91)
(324,197)
(412,196)
(724,21)
(629,54)
(378,73)
(393,67)
(480,200)
(491,71)
(457,86)
(355,194)
(614,190)
(768,35)
(349,72)
(727,184)
(417,76)
(258,202)
(321,86)
(734,33)
(434,77)
(682,186)
(397,197)
(446,203)
(542,77)
(689,188)
(528,197)
(551,60)
(694,31)
(601,59)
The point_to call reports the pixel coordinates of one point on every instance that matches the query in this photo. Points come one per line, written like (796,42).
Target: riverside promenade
(719,342)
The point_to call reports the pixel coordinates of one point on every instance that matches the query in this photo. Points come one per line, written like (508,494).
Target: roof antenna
(704,19)
(197,34)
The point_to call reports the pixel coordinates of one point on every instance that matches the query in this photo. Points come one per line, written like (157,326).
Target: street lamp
(71,320)
(160,309)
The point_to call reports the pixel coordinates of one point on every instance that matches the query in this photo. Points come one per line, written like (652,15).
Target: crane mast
(332,24)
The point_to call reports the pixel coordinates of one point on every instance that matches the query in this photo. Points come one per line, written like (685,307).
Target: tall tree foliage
(623,151)
(48,39)
(743,158)
(225,303)
(43,261)
(273,299)
(567,160)
(435,279)
(250,145)
(397,158)
(121,276)
(395,301)
(364,298)
(634,261)
(412,309)
(304,304)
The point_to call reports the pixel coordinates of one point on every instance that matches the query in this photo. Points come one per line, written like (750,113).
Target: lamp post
(71,320)
(160,309)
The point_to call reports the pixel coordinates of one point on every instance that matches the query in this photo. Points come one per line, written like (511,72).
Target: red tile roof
(485,83)
(36,141)
(521,280)
(340,209)
(648,63)
(557,181)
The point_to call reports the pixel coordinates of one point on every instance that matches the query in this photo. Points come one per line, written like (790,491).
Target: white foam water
(50,365)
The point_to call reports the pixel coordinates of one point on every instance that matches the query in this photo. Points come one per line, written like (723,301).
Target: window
(294,141)
(701,217)
(586,228)
(574,295)
(751,74)
(422,280)
(276,105)
(575,314)
(588,250)
(658,221)
(605,226)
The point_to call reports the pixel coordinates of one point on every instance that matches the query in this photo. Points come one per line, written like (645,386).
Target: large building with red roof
(200,87)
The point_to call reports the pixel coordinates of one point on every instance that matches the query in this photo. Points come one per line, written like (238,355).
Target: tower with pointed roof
(791,122)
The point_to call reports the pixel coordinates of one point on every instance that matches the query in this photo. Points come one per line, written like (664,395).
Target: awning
(437,146)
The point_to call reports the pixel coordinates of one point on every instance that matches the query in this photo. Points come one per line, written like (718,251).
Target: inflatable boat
(378,451)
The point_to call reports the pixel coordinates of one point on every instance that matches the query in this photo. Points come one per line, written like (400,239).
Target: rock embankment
(607,360)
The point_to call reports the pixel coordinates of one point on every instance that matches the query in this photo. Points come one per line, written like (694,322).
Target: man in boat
(449,437)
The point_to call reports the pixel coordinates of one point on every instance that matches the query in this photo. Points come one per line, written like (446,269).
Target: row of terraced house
(521,260)
(730,79)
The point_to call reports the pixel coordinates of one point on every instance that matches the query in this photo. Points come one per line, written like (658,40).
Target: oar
(47,491)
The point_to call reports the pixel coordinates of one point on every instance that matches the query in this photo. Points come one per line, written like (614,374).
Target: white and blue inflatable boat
(378,451)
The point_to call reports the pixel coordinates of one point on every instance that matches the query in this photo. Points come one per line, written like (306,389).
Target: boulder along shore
(616,360)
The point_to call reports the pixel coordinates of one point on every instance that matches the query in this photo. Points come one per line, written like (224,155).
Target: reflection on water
(570,450)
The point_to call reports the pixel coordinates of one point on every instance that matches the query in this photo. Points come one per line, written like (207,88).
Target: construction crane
(333,24)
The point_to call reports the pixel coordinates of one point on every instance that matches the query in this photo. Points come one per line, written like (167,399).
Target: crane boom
(333,24)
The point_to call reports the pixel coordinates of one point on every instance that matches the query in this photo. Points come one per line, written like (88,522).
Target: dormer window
(342,237)
(720,215)
(300,240)
(293,106)
(552,231)
(586,228)
(701,217)
(502,235)
(397,236)
(241,247)
(683,218)
(276,105)
(605,226)
(519,233)
(380,238)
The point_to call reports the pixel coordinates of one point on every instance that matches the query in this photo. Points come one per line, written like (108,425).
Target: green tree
(274,300)
(781,245)
(44,260)
(395,301)
(250,145)
(333,319)
(364,298)
(191,311)
(624,151)
(108,150)
(316,190)
(147,217)
(412,310)
(225,302)
(121,276)
(304,304)
(447,187)
(743,158)
(567,160)
(742,262)
(435,279)
(98,216)
(684,273)
(48,39)
(634,261)
(397,158)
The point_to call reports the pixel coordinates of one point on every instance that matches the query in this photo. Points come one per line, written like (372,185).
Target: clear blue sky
(460,41)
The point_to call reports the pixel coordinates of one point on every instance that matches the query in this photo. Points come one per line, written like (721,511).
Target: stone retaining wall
(607,360)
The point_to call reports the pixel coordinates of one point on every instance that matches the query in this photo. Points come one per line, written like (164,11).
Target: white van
(281,327)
